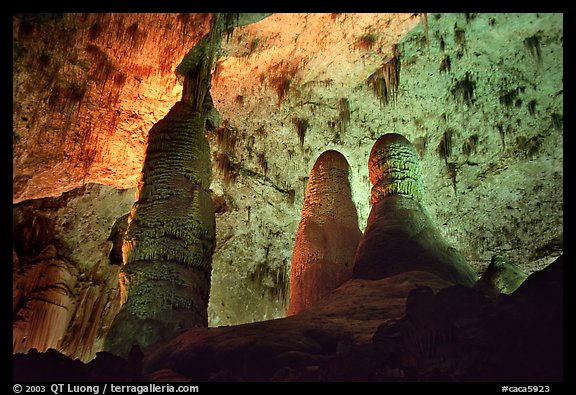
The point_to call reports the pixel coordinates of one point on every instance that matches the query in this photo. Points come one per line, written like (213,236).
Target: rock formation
(440,333)
(65,287)
(400,236)
(43,301)
(327,236)
(500,277)
(418,321)
(87,88)
(170,237)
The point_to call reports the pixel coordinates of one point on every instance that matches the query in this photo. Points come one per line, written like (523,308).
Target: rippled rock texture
(439,333)
(65,270)
(327,236)
(170,238)
(400,236)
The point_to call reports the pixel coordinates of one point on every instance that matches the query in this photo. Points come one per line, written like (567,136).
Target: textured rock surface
(452,334)
(65,286)
(486,197)
(482,103)
(327,236)
(170,237)
(43,302)
(500,277)
(435,333)
(258,351)
(399,235)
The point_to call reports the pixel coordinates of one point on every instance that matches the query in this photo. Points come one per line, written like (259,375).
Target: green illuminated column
(400,236)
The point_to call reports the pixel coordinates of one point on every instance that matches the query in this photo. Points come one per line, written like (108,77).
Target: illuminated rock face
(400,236)
(500,277)
(47,299)
(170,238)
(327,236)
(65,277)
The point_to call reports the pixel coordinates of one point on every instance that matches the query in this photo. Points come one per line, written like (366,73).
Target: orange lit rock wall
(327,235)
(87,89)
(480,95)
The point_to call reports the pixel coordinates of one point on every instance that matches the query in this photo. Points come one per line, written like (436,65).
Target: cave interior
(288,197)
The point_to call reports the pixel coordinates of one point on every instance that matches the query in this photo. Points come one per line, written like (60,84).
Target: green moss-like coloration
(156,288)
(173,219)
(397,172)
(170,239)
(164,298)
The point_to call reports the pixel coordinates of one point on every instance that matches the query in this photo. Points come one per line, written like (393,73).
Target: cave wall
(487,124)
(499,189)
(87,88)
(66,260)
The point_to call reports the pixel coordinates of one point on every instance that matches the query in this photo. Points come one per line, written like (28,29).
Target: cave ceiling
(88,87)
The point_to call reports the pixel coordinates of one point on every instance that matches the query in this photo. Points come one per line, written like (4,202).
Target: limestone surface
(480,95)
(399,235)
(327,236)
(169,242)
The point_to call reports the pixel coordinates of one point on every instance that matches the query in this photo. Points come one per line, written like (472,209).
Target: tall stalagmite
(327,236)
(171,234)
(400,236)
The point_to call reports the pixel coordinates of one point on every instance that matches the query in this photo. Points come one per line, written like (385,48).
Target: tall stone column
(327,235)
(400,236)
(167,251)
(170,238)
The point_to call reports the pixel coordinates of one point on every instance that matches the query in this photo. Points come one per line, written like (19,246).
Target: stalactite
(280,76)
(502,133)
(532,107)
(226,138)
(508,98)
(343,115)
(386,79)
(291,196)
(278,275)
(263,163)
(460,38)
(445,146)
(463,90)
(301,126)
(469,146)
(532,43)
(226,168)
(424,19)
(366,41)
(445,65)
(557,121)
